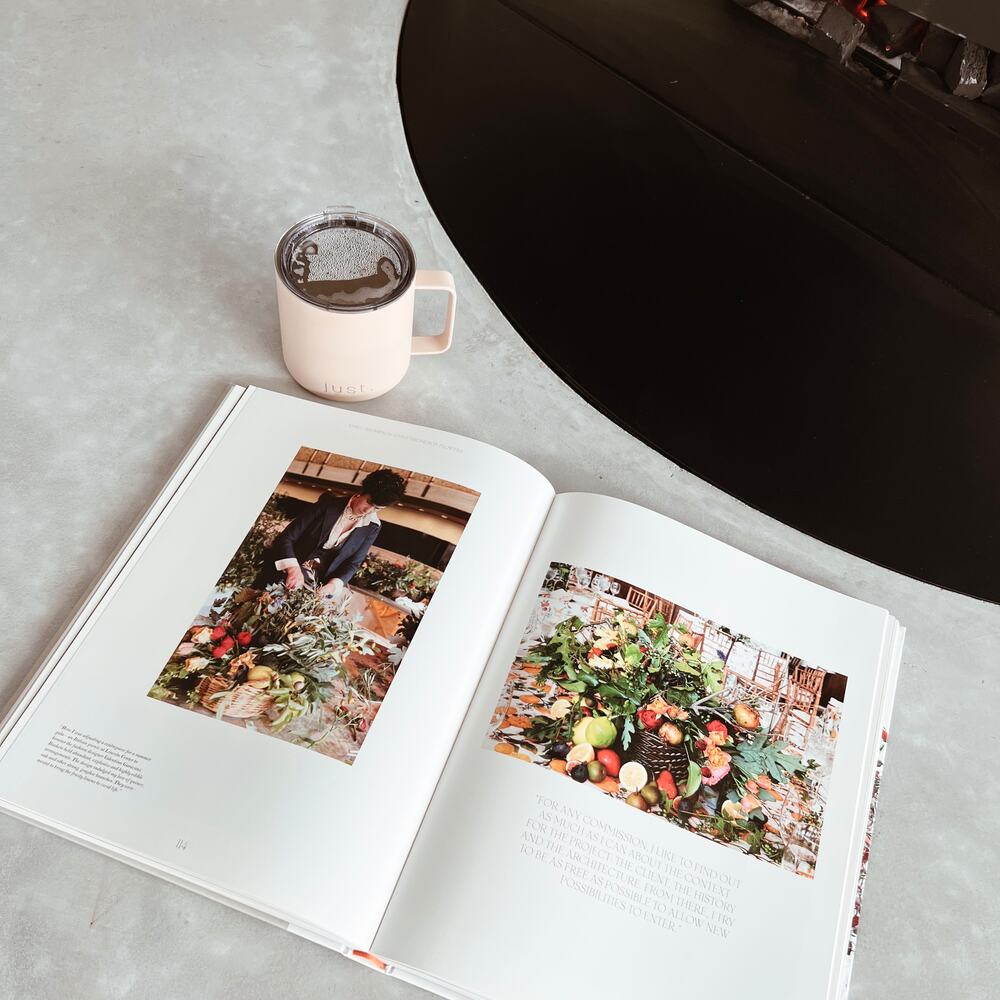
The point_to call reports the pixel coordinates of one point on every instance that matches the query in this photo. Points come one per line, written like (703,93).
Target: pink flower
(719,770)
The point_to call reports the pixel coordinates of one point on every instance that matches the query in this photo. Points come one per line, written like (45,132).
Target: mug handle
(436,281)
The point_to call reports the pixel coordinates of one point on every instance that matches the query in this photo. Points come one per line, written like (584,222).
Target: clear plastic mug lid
(345,260)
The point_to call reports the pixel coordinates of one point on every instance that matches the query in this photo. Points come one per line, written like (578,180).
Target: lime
(632,776)
(601,732)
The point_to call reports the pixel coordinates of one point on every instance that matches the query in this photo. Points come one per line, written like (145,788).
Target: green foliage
(417,581)
(378,575)
(758,756)
(407,629)
(693,779)
(246,564)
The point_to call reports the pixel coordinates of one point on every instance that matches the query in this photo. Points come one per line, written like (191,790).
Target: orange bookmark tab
(373,959)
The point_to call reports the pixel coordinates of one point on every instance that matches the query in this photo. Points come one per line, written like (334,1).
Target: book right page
(660,782)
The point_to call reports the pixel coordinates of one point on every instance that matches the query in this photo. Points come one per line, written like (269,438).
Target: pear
(745,716)
(671,733)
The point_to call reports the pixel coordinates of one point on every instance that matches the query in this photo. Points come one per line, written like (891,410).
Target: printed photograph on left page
(309,624)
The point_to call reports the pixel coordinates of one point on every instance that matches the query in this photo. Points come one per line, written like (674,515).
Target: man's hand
(294,578)
(331,588)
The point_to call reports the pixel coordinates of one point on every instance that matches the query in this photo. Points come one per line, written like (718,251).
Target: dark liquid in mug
(344,266)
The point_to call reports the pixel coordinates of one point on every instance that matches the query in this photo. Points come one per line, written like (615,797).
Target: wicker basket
(656,756)
(240,702)
(212,684)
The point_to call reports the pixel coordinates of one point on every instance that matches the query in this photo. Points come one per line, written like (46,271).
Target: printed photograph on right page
(629,694)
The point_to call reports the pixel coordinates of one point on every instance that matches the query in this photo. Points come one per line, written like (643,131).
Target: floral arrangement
(413,579)
(639,711)
(288,645)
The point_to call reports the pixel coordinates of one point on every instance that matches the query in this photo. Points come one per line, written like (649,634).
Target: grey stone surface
(150,156)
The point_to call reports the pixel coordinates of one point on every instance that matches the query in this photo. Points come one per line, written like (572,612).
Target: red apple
(611,761)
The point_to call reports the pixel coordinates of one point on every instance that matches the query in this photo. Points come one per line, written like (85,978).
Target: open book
(494,741)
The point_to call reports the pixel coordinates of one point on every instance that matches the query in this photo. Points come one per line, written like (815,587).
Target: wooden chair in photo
(788,818)
(717,644)
(660,606)
(694,636)
(641,600)
(798,716)
(765,674)
(602,610)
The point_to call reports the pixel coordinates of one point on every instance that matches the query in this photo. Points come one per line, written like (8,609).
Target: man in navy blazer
(326,544)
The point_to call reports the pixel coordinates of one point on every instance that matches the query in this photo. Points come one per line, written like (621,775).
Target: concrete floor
(150,156)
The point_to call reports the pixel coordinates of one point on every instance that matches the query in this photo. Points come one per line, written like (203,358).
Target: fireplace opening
(945,72)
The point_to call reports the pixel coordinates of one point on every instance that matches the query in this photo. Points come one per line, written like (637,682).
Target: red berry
(706,772)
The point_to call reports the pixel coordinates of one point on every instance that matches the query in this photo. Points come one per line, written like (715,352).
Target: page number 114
(181,845)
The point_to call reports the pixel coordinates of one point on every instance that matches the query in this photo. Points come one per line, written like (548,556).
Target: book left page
(264,698)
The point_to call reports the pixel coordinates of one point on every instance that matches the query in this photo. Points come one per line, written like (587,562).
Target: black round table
(813,364)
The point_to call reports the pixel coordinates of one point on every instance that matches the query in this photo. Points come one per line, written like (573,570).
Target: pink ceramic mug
(346,288)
